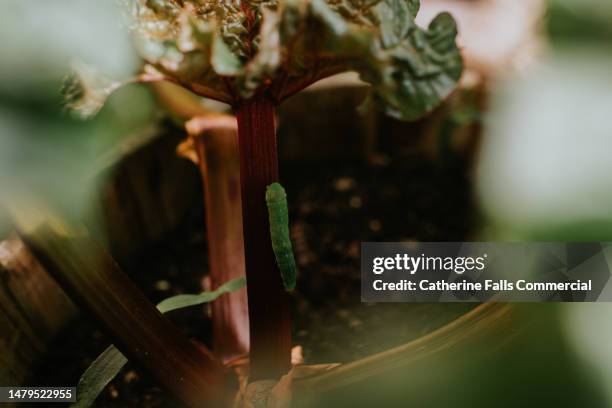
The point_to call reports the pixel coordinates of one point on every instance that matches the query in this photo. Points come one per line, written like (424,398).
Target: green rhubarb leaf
(414,69)
(233,49)
(223,60)
(414,6)
(108,364)
(411,69)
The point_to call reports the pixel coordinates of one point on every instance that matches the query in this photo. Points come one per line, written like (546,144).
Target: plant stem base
(269,315)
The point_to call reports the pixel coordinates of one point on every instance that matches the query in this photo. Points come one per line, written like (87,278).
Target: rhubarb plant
(253,55)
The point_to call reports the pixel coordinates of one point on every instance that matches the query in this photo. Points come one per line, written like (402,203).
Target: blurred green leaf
(41,39)
(44,153)
(580,22)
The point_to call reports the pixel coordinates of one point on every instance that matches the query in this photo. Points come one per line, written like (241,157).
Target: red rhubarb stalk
(269,315)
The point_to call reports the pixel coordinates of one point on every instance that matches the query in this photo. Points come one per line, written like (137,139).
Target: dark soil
(333,207)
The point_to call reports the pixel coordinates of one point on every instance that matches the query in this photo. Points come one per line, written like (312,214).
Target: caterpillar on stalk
(278,214)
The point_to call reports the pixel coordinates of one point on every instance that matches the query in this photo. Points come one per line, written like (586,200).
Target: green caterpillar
(276,199)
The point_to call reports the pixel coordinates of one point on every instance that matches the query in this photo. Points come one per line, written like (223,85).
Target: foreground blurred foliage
(544,174)
(544,169)
(43,151)
(525,360)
